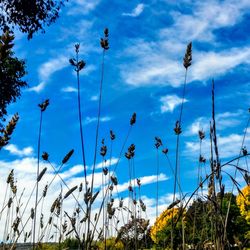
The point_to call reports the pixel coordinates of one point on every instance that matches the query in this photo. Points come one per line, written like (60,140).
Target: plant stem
(37,183)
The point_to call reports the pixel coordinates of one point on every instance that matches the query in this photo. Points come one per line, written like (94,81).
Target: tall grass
(100,214)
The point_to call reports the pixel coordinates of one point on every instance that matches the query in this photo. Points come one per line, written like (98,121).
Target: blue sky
(143,74)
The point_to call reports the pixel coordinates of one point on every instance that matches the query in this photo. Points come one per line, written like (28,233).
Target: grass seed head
(45,190)
(114,180)
(70,192)
(32,213)
(104,42)
(43,106)
(244,151)
(45,156)
(133,119)
(165,151)
(67,156)
(40,176)
(158,142)
(105,170)
(201,134)
(112,135)
(103,150)
(177,128)
(187,60)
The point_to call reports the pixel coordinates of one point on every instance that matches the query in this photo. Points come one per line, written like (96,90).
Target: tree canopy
(11,72)
(29,16)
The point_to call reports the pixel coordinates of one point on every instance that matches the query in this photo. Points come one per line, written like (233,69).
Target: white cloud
(94,119)
(223,121)
(136,11)
(94,98)
(229,146)
(47,69)
(145,180)
(52,66)
(69,89)
(158,62)
(170,102)
(14,150)
(211,64)
(152,67)
(79,7)
(205,17)
(108,163)
(38,88)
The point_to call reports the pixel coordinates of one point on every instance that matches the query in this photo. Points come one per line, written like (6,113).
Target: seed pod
(201,134)
(138,182)
(10,176)
(105,171)
(67,156)
(44,105)
(45,190)
(80,188)
(187,60)
(50,220)
(103,150)
(114,180)
(121,203)
(158,142)
(45,156)
(94,197)
(133,119)
(112,135)
(173,204)
(72,61)
(32,213)
(70,192)
(165,151)
(41,174)
(244,151)
(9,202)
(202,159)
(177,128)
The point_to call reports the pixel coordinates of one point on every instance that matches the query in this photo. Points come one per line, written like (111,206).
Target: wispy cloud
(14,150)
(52,66)
(136,11)
(229,146)
(94,98)
(69,89)
(108,163)
(77,7)
(89,120)
(206,17)
(223,120)
(145,180)
(153,66)
(38,88)
(213,64)
(170,102)
(47,69)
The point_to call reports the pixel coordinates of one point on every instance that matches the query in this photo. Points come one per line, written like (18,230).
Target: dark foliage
(11,72)
(201,211)
(29,16)
(135,234)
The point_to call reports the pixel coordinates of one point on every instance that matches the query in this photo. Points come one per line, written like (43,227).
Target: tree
(199,229)
(11,72)
(29,16)
(161,230)
(134,234)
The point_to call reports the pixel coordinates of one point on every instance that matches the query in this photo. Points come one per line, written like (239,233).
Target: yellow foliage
(163,220)
(244,203)
(111,244)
